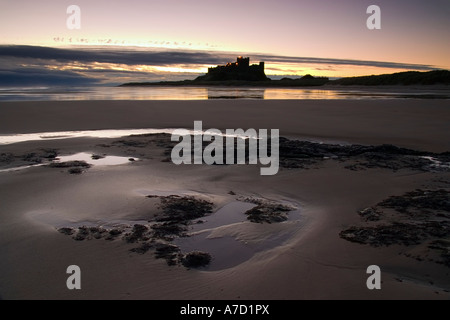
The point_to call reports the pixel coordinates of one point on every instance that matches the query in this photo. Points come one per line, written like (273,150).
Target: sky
(152,40)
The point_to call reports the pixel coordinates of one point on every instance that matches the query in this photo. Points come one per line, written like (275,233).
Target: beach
(302,257)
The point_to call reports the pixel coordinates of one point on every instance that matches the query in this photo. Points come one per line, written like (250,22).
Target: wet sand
(308,261)
(418,124)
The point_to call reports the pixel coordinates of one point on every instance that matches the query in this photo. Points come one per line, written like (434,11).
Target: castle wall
(239,70)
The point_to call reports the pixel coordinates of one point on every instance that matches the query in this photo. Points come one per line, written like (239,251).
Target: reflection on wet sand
(186,93)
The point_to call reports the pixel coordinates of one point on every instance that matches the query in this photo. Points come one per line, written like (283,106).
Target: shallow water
(436,163)
(118,133)
(82,156)
(206,93)
(227,251)
(15,138)
(87,157)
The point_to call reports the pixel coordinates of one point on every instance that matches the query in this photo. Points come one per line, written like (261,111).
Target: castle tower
(243,62)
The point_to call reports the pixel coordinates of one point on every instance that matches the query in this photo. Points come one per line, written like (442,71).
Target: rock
(304,154)
(168,230)
(268,213)
(75,171)
(49,153)
(370,214)
(96,157)
(113,234)
(79,237)
(177,213)
(178,209)
(196,259)
(31,157)
(6,157)
(143,248)
(66,231)
(397,233)
(132,143)
(169,252)
(97,232)
(70,164)
(82,234)
(419,199)
(137,234)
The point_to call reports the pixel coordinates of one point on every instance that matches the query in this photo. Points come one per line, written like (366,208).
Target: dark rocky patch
(296,154)
(6,157)
(169,252)
(266,211)
(104,145)
(74,167)
(304,154)
(176,214)
(31,158)
(370,214)
(84,233)
(97,232)
(113,234)
(196,259)
(143,248)
(179,209)
(442,246)
(97,157)
(414,218)
(423,201)
(75,171)
(168,230)
(70,164)
(161,140)
(132,143)
(89,233)
(397,233)
(66,231)
(49,153)
(138,233)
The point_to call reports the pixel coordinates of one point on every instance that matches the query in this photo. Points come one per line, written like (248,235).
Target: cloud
(33,65)
(169,57)
(33,76)
(349,62)
(115,55)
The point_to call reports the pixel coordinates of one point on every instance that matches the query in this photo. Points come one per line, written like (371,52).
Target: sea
(63,93)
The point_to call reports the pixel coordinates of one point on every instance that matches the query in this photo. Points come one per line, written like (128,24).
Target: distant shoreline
(408,78)
(229,83)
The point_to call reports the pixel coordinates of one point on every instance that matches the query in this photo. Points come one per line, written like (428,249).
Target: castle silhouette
(239,70)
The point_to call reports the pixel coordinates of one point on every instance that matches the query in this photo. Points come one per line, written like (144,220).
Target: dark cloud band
(165,58)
